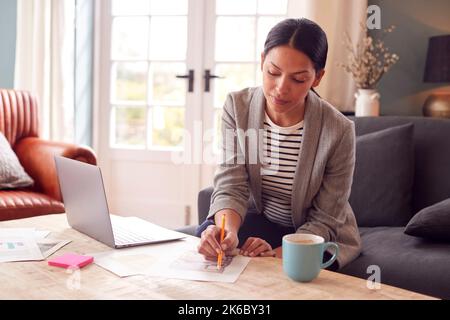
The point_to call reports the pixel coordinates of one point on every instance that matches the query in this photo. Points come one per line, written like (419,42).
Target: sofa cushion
(190,230)
(432,222)
(12,174)
(18,204)
(407,262)
(383,177)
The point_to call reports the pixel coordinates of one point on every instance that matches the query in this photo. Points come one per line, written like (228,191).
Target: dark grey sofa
(405,261)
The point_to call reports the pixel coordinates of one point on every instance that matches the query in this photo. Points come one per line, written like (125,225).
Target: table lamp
(437,69)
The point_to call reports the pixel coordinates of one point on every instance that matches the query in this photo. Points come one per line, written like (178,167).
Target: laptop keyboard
(124,236)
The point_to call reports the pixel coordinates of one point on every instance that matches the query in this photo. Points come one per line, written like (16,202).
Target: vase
(367,103)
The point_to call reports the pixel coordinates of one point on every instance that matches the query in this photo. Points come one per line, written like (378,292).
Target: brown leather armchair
(19,124)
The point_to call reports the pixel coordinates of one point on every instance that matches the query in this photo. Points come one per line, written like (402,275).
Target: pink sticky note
(71,260)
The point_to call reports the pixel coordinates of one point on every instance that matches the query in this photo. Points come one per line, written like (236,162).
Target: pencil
(222,235)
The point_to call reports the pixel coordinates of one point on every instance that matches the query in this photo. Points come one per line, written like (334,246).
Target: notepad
(71,260)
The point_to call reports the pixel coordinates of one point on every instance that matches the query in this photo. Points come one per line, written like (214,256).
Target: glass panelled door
(233,50)
(148,50)
(167,65)
(147,104)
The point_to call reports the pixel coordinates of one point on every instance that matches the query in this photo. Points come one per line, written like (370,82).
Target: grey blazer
(324,172)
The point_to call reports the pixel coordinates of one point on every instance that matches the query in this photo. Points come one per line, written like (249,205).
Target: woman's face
(288,75)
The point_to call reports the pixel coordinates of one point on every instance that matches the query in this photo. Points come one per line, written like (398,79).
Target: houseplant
(368,60)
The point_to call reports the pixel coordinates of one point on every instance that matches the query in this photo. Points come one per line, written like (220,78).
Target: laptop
(87,210)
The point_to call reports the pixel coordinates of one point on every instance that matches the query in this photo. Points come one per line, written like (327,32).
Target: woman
(301,179)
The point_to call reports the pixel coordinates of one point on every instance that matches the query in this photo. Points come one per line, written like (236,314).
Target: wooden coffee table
(262,279)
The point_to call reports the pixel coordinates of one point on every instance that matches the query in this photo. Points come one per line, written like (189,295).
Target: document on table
(178,260)
(50,246)
(18,244)
(27,244)
(191,265)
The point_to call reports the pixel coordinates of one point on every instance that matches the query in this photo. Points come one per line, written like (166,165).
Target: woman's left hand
(254,247)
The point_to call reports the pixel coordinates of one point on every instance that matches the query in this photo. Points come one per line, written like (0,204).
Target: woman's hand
(255,247)
(209,245)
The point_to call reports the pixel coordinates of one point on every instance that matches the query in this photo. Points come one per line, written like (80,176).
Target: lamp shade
(437,68)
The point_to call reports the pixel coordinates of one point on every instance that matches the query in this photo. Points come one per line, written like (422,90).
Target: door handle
(208,76)
(190,77)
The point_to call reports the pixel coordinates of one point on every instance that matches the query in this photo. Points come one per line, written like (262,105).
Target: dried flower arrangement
(369,60)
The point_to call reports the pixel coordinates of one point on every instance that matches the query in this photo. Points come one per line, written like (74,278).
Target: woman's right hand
(209,245)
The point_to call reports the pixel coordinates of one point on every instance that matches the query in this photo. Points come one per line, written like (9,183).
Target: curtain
(335,17)
(45,62)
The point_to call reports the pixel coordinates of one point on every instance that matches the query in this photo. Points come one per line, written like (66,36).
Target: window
(148,49)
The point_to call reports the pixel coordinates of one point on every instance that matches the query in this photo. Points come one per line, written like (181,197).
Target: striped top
(280,154)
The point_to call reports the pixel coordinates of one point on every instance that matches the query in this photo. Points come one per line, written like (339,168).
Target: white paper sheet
(191,265)
(50,246)
(178,260)
(27,244)
(18,244)
(39,234)
(139,260)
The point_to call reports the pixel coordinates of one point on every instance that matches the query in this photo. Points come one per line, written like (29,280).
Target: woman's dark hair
(303,35)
